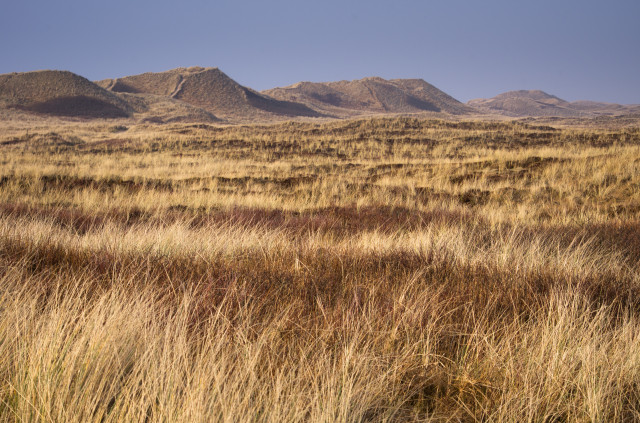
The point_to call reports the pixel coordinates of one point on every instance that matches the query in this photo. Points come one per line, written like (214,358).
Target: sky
(574,49)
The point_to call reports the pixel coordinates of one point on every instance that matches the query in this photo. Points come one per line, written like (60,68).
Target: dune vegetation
(380,270)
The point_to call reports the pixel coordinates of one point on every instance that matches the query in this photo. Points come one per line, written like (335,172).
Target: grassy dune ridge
(373,270)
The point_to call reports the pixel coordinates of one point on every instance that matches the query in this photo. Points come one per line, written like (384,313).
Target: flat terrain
(391,269)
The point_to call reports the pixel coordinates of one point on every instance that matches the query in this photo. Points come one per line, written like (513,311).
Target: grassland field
(382,269)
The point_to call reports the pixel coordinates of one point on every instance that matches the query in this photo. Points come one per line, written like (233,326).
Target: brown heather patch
(335,220)
(333,280)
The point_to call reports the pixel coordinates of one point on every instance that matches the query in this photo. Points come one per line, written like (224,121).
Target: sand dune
(210,89)
(371,95)
(60,93)
(524,103)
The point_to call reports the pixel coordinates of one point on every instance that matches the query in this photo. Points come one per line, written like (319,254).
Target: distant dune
(152,108)
(525,103)
(210,89)
(371,95)
(198,94)
(605,108)
(60,93)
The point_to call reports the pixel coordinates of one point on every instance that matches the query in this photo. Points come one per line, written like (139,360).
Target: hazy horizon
(574,50)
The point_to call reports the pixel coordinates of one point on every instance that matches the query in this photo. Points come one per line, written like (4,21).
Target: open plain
(378,269)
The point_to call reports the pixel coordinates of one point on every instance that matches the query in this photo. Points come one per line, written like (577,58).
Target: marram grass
(378,270)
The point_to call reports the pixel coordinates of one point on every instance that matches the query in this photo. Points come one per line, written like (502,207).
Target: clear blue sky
(575,49)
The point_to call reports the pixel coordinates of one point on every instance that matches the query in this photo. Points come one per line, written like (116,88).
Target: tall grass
(470,283)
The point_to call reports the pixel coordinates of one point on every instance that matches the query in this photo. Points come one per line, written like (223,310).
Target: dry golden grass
(373,270)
